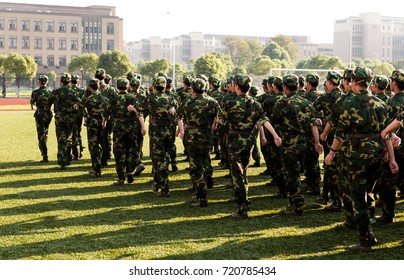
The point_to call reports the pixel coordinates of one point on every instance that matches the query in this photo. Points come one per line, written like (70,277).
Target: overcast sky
(168,18)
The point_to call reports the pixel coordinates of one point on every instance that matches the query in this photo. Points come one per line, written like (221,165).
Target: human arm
(270,128)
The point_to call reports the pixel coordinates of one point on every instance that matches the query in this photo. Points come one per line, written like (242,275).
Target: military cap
(134,82)
(43,79)
(162,75)
(94,82)
(278,81)
(264,82)
(254,90)
(65,77)
(159,81)
(203,77)
(138,76)
(242,80)
(214,81)
(347,74)
(381,81)
(362,74)
(75,77)
(107,78)
(223,85)
(198,85)
(312,78)
(334,77)
(302,79)
(271,79)
(122,83)
(100,73)
(397,75)
(169,80)
(130,75)
(290,80)
(187,79)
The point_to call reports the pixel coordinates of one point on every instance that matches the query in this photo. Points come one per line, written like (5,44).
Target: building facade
(370,35)
(53,35)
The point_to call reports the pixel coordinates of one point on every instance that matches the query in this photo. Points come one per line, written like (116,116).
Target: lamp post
(173,47)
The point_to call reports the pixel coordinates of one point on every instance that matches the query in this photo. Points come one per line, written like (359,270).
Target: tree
(31,68)
(210,65)
(115,63)
(16,64)
(262,65)
(180,70)
(274,51)
(52,78)
(84,63)
(152,68)
(226,61)
(3,74)
(287,43)
(384,69)
(321,61)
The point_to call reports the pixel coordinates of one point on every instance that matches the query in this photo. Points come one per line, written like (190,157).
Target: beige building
(53,35)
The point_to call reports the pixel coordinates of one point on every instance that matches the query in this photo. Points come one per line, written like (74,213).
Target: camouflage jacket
(118,106)
(216,94)
(324,103)
(63,99)
(337,108)
(269,103)
(39,98)
(394,104)
(107,90)
(261,98)
(94,106)
(362,118)
(184,94)
(383,96)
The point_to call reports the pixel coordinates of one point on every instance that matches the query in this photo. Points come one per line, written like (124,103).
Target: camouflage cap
(254,90)
(362,74)
(134,82)
(138,76)
(214,81)
(271,79)
(162,75)
(312,78)
(242,80)
(94,82)
(347,74)
(264,82)
(159,81)
(100,73)
(169,80)
(75,78)
(334,77)
(223,85)
(187,79)
(122,83)
(130,75)
(278,81)
(302,79)
(198,85)
(65,77)
(397,75)
(203,77)
(290,80)
(107,78)
(43,79)
(381,81)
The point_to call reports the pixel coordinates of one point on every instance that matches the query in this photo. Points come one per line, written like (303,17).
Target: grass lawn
(49,214)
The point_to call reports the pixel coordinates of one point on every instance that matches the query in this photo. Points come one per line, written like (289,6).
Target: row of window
(38,43)
(50,61)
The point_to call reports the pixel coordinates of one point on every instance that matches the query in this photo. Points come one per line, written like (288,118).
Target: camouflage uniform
(43,116)
(255,151)
(64,100)
(200,112)
(94,108)
(159,106)
(77,145)
(295,117)
(215,93)
(172,153)
(381,82)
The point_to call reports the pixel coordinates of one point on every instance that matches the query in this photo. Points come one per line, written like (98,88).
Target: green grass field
(49,214)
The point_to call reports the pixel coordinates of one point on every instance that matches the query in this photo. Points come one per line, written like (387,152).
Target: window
(1,42)
(50,60)
(62,43)
(49,26)
(1,23)
(25,25)
(37,25)
(50,43)
(110,28)
(62,61)
(74,44)
(74,27)
(13,42)
(12,24)
(62,26)
(110,45)
(38,59)
(38,43)
(25,42)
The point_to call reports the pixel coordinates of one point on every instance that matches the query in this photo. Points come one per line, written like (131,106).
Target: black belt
(364,135)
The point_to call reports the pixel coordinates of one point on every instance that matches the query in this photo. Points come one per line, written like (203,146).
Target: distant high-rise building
(369,36)
(53,35)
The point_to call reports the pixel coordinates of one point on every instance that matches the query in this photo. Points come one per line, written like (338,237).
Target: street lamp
(173,48)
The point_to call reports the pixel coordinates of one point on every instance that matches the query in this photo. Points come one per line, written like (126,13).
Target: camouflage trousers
(106,142)
(64,130)
(344,185)
(161,139)
(95,133)
(77,142)
(276,164)
(312,168)
(199,161)
(172,152)
(123,139)
(42,129)
(255,151)
(330,179)
(266,153)
(239,148)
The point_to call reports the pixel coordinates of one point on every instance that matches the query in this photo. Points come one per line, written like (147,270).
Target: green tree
(152,68)
(210,65)
(16,64)
(262,65)
(115,63)
(52,78)
(274,51)
(287,43)
(384,69)
(84,63)
(30,70)
(180,70)
(321,61)
(226,61)
(3,74)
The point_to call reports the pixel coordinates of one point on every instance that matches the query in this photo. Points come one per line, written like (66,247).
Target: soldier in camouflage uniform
(162,111)
(242,114)
(77,147)
(378,87)
(65,103)
(301,90)
(360,123)
(214,92)
(124,131)
(94,109)
(200,111)
(172,154)
(255,151)
(43,116)
(390,182)
(295,118)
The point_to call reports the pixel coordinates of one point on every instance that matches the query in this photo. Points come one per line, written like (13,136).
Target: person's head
(107,79)
(312,81)
(100,74)
(264,85)
(270,83)
(397,78)
(122,84)
(75,79)
(43,80)
(223,86)
(242,82)
(187,80)
(277,84)
(302,80)
(214,82)
(94,84)
(134,83)
(159,83)
(347,79)
(253,91)
(334,78)
(198,86)
(290,83)
(361,78)
(65,78)
(379,83)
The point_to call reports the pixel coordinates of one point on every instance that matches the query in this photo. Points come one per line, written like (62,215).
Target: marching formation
(356,122)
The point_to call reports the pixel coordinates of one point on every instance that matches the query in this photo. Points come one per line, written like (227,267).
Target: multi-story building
(369,35)
(53,35)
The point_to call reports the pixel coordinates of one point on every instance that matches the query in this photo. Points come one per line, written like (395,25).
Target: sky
(168,18)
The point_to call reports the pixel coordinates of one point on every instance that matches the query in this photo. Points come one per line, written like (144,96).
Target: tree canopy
(116,63)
